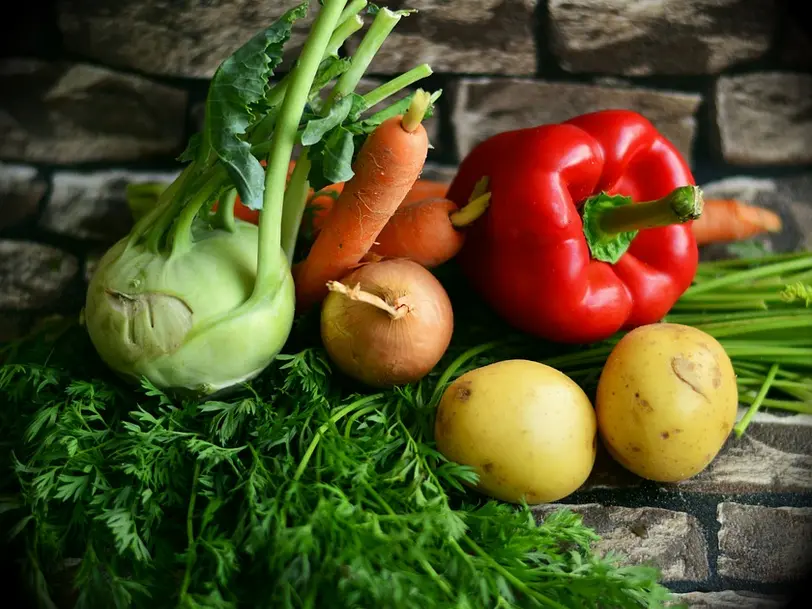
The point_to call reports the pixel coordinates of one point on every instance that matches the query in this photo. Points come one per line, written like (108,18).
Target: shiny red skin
(528,257)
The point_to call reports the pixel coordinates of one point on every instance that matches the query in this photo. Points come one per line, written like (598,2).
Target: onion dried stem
(359,295)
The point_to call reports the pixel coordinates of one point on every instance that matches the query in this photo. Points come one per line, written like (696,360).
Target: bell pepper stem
(471,212)
(680,205)
(611,222)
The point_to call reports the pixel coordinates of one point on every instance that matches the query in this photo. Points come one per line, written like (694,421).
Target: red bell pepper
(563,252)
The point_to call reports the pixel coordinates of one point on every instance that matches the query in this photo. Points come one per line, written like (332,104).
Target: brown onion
(387,323)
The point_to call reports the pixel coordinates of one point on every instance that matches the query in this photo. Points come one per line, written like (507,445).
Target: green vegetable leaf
(316,128)
(797,292)
(332,158)
(193,148)
(71,487)
(330,68)
(239,84)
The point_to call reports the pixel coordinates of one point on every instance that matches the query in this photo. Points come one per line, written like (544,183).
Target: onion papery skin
(368,344)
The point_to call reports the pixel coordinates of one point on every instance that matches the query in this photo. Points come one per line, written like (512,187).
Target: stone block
(188,38)
(765,118)
(21,189)
(69,113)
(773,457)
(731,599)
(463,36)
(764,544)
(670,540)
(93,206)
(636,38)
(34,276)
(484,107)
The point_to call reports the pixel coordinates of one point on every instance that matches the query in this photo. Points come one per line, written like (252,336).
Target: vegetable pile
(181,299)
(284,393)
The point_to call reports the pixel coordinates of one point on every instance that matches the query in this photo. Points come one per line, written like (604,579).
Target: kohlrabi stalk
(379,94)
(284,138)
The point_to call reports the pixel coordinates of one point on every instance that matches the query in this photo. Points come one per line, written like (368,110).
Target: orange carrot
(386,168)
(425,189)
(320,204)
(427,232)
(731,220)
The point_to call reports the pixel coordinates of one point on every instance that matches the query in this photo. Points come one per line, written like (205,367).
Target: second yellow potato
(666,401)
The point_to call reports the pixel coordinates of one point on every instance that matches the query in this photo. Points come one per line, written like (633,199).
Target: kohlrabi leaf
(331,159)
(239,84)
(192,149)
(359,106)
(330,68)
(338,155)
(316,128)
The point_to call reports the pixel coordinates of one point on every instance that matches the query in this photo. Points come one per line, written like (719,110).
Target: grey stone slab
(21,190)
(671,540)
(483,107)
(93,206)
(664,37)
(71,113)
(460,36)
(731,599)
(189,38)
(764,544)
(765,118)
(769,457)
(33,276)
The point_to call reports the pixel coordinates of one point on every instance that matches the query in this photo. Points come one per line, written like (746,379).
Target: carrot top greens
(299,491)
(294,492)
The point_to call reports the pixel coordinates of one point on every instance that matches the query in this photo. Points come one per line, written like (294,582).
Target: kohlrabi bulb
(179,319)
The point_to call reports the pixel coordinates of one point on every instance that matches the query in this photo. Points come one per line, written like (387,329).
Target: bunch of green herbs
(304,490)
(299,490)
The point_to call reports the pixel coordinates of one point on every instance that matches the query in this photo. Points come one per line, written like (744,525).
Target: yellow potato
(666,401)
(527,429)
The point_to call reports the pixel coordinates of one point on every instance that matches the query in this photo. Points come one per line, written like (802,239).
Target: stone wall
(95,94)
